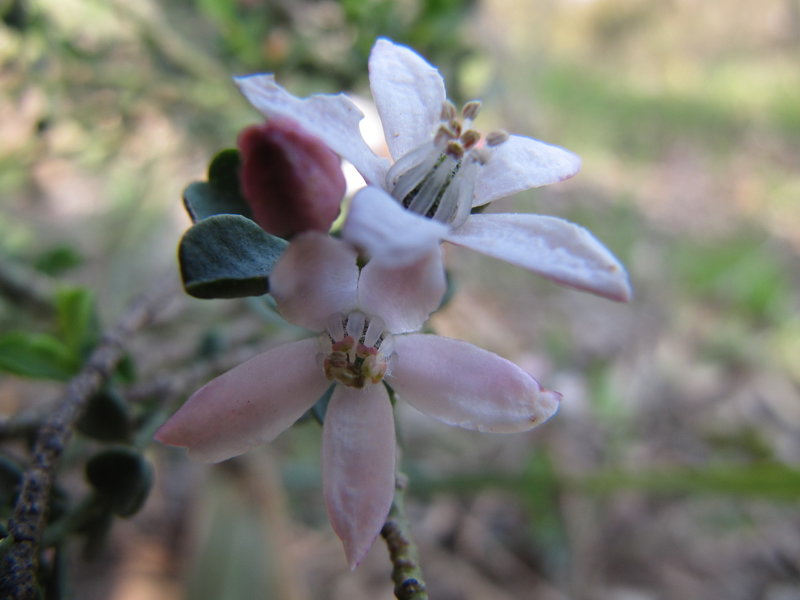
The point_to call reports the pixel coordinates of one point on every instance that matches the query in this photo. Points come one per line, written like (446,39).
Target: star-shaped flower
(365,318)
(443,169)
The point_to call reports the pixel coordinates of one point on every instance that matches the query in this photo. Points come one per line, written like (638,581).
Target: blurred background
(670,471)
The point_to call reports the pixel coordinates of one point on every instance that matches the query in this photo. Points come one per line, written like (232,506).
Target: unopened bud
(292,181)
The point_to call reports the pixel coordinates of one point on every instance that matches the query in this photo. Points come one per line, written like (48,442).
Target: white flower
(365,318)
(443,169)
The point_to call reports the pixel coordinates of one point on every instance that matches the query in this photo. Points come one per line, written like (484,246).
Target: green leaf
(228,256)
(37,355)
(58,260)
(221,194)
(78,325)
(106,417)
(122,479)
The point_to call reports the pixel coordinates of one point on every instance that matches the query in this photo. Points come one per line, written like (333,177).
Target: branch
(25,526)
(406,572)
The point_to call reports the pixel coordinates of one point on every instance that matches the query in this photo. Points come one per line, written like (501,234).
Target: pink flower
(365,318)
(442,168)
(292,181)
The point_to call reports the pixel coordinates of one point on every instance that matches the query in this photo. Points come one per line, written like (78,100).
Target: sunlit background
(669,472)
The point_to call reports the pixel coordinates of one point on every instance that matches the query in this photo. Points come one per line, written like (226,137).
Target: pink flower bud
(292,181)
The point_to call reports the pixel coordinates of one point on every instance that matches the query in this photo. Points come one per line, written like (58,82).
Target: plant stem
(26,525)
(406,572)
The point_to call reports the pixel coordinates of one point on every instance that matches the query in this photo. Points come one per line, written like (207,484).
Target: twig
(406,572)
(25,527)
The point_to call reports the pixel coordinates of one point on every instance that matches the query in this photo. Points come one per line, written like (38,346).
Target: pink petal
(409,94)
(463,385)
(314,278)
(358,466)
(388,233)
(333,119)
(552,247)
(403,297)
(521,163)
(248,405)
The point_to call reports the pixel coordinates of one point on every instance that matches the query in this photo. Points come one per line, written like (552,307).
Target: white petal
(248,405)
(388,233)
(409,94)
(559,250)
(403,297)
(314,278)
(463,385)
(521,163)
(332,118)
(358,466)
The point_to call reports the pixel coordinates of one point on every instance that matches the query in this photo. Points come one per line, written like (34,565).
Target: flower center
(356,349)
(437,179)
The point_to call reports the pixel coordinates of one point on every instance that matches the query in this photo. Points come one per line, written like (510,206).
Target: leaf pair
(225,254)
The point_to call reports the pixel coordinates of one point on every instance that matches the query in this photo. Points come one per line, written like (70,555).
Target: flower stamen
(437,179)
(356,349)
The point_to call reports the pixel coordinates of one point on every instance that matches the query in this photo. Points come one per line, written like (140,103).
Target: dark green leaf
(221,194)
(106,417)
(37,355)
(228,256)
(122,478)
(223,170)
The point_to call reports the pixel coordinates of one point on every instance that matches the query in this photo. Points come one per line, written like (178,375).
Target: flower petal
(332,118)
(409,94)
(403,297)
(463,385)
(248,405)
(559,250)
(389,234)
(358,466)
(521,163)
(315,277)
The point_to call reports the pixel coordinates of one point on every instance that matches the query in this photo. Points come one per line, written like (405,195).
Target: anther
(455,150)
(471,109)
(449,111)
(469,138)
(495,138)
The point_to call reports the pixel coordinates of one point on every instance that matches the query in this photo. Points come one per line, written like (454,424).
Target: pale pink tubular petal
(333,119)
(521,163)
(358,466)
(409,94)
(557,249)
(466,386)
(248,405)
(386,232)
(403,297)
(315,277)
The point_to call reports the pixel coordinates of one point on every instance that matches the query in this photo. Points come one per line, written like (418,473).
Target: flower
(442,169)
(292,181)
(365,318)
